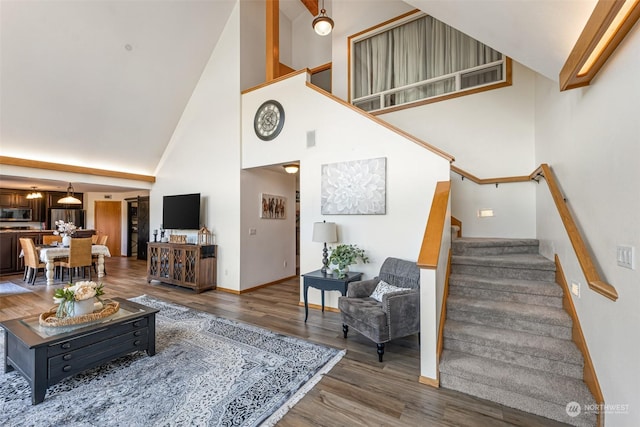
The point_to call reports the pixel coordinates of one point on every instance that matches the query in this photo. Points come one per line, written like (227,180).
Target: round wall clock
(269,120)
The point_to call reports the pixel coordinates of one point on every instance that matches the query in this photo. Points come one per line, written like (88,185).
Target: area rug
(8,288)
(207,371)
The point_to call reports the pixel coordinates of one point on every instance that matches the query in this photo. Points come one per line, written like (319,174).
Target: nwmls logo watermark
(574,408)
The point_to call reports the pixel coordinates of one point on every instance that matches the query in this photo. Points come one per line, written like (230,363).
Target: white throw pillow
(385,288)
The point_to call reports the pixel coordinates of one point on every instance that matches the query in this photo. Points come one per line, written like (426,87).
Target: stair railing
(585,260)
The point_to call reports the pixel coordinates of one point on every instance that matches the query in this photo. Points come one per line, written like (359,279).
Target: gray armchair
(397,316)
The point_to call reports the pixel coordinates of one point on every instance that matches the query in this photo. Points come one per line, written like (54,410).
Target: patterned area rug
(207,371)
(8,288)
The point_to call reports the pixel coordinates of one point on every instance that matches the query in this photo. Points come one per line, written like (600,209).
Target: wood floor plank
(358,391)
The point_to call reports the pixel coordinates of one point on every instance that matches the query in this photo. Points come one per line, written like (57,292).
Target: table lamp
(324,232)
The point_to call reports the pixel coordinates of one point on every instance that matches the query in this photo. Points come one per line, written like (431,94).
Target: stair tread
(554,388)
(536,287)
(483,242)
(518,261)
(538,313)
(516,341)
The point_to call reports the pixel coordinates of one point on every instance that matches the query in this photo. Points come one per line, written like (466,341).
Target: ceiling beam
(311,5)
(36,164)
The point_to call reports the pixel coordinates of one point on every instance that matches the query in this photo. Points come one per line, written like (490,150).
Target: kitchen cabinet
(8,244)
(13,199)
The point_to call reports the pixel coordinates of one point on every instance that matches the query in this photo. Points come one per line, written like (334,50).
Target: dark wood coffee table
(46,355)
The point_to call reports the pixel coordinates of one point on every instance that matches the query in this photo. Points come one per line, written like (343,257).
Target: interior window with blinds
(418,58)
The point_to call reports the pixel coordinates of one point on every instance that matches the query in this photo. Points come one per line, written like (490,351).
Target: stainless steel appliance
(15,214)
(76,216)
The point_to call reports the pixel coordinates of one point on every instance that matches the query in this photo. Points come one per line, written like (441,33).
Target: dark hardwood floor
(358,391)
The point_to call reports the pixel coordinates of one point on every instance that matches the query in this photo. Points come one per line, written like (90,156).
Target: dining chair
(94,239)
(48,239)
(101,240)
(31,260)
(79,257)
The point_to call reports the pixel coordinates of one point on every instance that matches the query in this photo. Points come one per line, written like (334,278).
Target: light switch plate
(625,256)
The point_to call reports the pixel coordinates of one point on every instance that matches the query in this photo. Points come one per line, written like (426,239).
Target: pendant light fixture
(35,194)
(322,24)
(69,199)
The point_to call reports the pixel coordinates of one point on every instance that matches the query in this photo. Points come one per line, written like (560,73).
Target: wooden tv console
(188,265)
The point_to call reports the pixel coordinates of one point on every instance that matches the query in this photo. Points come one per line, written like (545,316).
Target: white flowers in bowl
(66,297)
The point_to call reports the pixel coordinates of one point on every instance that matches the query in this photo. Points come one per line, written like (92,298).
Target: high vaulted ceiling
(103,83)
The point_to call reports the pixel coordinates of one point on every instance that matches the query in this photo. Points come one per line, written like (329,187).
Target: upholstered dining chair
(31,260)
(79,257)
(48,239)
(385,307)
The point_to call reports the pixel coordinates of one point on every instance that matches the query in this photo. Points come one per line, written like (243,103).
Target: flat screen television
(181,212)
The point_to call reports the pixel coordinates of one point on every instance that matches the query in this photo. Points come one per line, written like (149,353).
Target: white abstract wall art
(354,188)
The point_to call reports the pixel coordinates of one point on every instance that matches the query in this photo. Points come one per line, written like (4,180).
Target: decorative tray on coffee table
(49,318)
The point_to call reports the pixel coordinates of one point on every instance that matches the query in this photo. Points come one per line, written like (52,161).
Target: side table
(326,282)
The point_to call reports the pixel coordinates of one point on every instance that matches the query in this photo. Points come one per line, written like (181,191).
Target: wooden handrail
(430,249)
(589,270)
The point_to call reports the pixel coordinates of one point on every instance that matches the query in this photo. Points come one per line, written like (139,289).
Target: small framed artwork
(272,206)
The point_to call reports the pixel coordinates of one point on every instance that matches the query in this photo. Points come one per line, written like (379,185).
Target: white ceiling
(103,83)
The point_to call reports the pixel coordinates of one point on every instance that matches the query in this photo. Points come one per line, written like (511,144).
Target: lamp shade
(324,232)
(69,199)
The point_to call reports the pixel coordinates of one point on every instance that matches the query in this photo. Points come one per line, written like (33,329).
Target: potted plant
(342,256)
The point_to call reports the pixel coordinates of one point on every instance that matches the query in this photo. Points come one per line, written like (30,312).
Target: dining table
(49,254)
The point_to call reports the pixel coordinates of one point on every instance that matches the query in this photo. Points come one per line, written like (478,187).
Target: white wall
(591,139)
(269,254)
(490,134)
(252,43)
(343,134)
(203,155)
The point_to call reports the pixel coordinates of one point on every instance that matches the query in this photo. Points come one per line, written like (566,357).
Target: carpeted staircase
(507,338)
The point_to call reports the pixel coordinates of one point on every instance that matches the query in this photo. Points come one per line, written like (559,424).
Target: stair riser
(515,400)
(496,321)
(506,296)
(459,248)
(517,358)
(503,272)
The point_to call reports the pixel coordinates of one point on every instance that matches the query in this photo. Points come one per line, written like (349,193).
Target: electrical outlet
(252,232)
(575,289)
(625,257)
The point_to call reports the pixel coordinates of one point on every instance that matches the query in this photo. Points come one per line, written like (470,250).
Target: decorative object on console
(178,238)
(69,199)
(354,188)
(269,120)
(273,207)
(205,237)
(342,256)
(322,24)
(325,232)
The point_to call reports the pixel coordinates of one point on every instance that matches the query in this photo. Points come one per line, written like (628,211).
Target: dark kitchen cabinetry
(38,210)
(8,255)
(13,199)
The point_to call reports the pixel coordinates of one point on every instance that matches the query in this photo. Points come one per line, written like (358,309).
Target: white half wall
(203,155)
(342,134)
(591,139)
